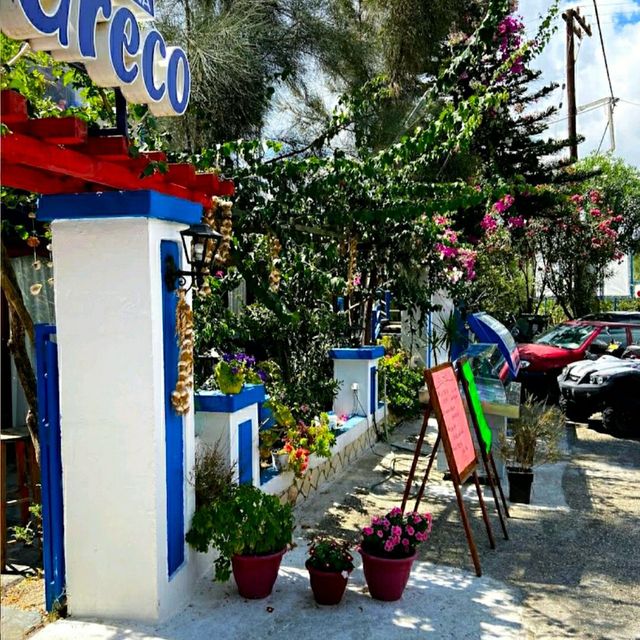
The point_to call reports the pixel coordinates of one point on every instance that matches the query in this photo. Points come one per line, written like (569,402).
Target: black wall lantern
(200,255)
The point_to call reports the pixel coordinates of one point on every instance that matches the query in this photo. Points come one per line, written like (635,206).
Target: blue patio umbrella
(488,329)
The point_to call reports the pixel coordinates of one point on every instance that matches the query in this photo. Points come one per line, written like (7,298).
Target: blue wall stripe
(174,436)
(373,397)
(245,453)
(50,464)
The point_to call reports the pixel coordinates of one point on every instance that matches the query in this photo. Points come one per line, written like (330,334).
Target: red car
(542,360)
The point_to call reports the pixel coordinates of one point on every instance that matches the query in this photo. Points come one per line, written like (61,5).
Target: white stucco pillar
(357,372)
(126,455)
(231,422)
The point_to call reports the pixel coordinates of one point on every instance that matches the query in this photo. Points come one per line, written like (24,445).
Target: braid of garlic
(353,249)
(274,275)
(224,250)
(181,396)
(209,218)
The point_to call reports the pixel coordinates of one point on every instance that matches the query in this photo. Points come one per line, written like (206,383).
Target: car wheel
(621,420)
(574,412)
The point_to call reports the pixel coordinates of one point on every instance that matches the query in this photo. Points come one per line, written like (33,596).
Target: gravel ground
(575,563)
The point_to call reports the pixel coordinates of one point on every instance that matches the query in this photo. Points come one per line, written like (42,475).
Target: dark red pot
(327,586)
(256,575)
(386,577)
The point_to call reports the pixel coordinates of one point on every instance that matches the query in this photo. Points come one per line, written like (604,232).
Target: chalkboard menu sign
(452,418)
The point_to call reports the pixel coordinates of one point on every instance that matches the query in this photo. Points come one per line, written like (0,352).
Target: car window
(635,336)
(567,336)
(617,335)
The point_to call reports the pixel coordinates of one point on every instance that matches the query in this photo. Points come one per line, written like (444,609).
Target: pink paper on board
(454,417)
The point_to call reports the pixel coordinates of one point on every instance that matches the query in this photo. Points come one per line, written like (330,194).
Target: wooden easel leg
(432,457)
(467,531)
(483,508)
(416,456)
(491,479)
(495,474)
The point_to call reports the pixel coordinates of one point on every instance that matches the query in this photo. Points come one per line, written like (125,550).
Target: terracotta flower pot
(256,575)
(327,586)
(386,577)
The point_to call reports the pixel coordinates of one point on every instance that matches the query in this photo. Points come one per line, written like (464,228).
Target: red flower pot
(386,577)
(256,575)
(327,586)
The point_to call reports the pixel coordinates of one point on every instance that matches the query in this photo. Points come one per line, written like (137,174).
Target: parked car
(614,316)
(542,360)
(609,384)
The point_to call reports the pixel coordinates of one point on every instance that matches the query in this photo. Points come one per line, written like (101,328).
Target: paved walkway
(570,570)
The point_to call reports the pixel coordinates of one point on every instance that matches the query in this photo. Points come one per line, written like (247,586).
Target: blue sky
(620,22)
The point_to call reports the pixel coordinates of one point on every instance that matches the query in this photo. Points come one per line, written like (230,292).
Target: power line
(604,53)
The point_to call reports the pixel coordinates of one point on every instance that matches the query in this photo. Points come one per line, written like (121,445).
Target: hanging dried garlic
(353,250)
(181,396)
(224,250)
(274,275)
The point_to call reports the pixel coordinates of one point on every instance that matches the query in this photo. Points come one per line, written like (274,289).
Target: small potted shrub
(388,549)
(251,531)
(234,370)
(535,439)
(329,565)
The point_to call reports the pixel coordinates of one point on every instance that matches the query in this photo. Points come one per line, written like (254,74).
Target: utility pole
(571,17)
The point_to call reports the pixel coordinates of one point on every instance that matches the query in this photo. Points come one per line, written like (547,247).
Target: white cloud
(620,22)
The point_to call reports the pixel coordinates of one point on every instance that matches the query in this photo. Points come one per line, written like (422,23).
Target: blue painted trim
(50,463)
(245,452)
(118,204)
(265,415)
(361,353)
(373,389)
(174,428)
(229,403)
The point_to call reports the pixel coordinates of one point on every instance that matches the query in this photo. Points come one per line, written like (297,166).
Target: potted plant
(234,370)
(535,438)
(251,532)
(329,565)
(388,549)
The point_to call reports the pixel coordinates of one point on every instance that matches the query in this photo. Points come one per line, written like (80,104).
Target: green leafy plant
(402,385)
(32,531)
(244,522)
(327,554)
(535,436)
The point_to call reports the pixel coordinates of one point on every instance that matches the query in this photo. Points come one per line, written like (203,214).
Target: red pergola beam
(35,160)
(67,131)
(13,107)
(24,150)
(20,177)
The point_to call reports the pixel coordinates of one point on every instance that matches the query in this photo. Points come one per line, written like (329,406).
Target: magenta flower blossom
(368,531)
(516,222)
(440,220)
(489,223)
(380,533)
(396,531)
(410,530)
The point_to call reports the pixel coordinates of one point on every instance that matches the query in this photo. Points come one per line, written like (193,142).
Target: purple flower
(396,531)
(410,530)
(379,533)
(368,531)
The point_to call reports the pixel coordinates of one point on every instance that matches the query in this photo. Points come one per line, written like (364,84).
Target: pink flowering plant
(396,535)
